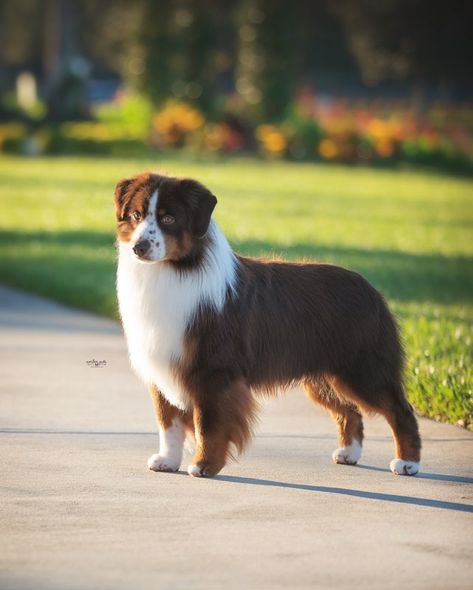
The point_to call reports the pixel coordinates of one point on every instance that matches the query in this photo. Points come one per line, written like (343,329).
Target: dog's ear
(201,202)
(120,196)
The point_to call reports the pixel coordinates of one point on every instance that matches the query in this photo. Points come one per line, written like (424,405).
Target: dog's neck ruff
(158,302)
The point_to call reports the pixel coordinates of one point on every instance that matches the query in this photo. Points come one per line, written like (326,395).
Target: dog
(208,330)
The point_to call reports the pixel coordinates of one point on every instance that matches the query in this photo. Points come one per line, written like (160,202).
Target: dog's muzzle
(141,248)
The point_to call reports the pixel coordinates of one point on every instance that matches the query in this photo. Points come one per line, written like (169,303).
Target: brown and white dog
(207,329)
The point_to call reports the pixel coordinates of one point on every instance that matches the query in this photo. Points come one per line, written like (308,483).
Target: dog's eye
(167,219)
(136,215)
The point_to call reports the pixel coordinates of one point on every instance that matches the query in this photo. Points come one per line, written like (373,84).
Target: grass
(410,233)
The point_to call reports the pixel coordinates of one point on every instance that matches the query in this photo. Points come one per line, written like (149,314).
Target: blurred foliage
(420,40)
(350,132)
(213,77)
(176,123)
(261,52)
(127,116)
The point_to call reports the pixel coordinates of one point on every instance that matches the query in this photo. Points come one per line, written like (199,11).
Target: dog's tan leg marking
(221,421)
(347,417)
(406,441)
(400,417)
(172,424)
(211,449)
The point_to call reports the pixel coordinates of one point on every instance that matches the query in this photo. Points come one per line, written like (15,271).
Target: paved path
(79,509)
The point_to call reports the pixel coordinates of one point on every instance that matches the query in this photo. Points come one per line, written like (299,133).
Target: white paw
(159,463)
(349,455)
(196,470)
(203,469)
(401,467)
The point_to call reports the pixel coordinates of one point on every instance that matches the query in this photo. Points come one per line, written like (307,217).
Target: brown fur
(288,323)
(397,411)
(165,412)
(221,422)
(346,416)
(178,247)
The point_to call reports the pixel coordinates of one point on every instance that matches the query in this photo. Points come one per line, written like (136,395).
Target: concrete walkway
(79,509)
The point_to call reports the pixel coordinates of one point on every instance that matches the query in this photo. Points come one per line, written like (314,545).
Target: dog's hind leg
(347,417)
(407,441)
(389,401)
(173,424)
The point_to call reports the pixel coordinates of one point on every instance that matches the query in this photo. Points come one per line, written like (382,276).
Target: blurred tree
(425,42)
(20,43)
(267,56)
(110,30)
(324,59)
(65,69)
(202,51)
(183,50)
(50,46)
(282,49)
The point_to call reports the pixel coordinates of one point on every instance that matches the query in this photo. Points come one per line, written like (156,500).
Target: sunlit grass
(410,233)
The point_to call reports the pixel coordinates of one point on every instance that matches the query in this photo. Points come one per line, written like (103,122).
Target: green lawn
(410,233)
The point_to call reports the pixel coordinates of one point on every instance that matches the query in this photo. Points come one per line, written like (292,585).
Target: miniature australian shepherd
(208,330)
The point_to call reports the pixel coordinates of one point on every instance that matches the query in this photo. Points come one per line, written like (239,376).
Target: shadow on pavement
(422,475)
(347,492)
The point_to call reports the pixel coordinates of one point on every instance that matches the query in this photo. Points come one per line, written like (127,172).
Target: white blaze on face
(149,230)
(157,303)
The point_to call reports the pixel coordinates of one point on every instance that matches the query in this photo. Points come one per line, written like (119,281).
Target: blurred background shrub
(356,83)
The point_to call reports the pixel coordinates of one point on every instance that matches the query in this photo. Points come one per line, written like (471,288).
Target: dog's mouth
(145,259)
(143,252)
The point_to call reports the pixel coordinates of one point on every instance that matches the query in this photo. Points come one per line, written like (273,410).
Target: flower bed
(342,131)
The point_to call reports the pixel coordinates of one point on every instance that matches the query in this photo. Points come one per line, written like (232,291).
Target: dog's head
(162,218)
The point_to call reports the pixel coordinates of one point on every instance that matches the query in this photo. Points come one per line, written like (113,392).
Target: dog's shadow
(380,496)
(422,475)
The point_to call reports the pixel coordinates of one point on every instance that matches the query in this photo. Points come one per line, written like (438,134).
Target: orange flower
(328,149)
(384,148)
(272,139)
(177,121)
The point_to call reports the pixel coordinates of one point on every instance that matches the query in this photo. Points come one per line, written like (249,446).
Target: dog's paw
(202,470)
(349,455)
(401,467)
(159,463)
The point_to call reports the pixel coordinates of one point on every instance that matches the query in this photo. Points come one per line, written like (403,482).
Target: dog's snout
(141,247)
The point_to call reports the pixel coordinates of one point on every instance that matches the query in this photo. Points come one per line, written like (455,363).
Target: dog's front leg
(212,442)
(222,417)
(173,424)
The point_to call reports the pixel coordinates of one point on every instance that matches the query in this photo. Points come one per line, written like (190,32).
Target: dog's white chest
(157,303)
(156,307)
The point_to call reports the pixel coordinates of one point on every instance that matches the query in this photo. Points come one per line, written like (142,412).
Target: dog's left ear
(201,203)
(120,196)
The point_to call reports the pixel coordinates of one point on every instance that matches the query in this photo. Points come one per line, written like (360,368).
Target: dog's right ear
(121,191)
(200,202)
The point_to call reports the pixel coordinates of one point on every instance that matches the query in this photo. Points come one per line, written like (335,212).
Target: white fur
(149,230)
(349,455)
(171,445)
(195,470)
(401,467)
(157,303)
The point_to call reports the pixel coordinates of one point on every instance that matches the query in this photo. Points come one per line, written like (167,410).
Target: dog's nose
(141,247)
